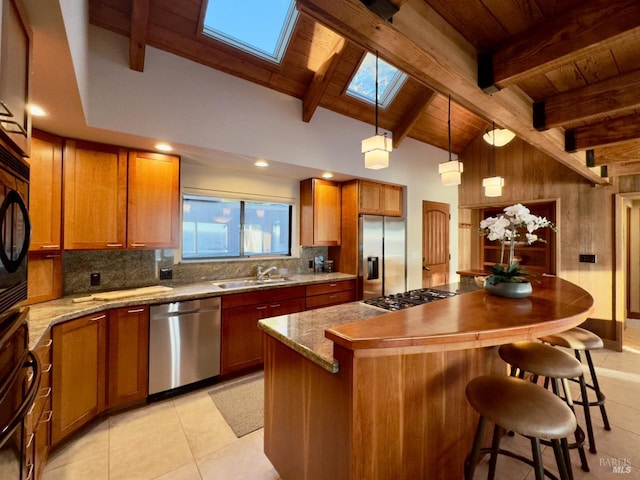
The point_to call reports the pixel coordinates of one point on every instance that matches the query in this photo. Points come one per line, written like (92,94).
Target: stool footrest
(516,456)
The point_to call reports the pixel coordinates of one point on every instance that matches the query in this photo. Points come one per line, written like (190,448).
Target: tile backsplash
(138,268)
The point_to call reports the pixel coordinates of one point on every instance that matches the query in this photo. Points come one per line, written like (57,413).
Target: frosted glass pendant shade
(498,137)
(376,151)
(451,172)
(493,186)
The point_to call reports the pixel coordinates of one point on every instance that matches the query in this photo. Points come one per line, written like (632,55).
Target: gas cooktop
(408,299)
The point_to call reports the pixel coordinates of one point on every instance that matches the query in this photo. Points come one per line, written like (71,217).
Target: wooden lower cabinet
(241,337)
(330,293)
(100,362)
(79,358)
(127,355)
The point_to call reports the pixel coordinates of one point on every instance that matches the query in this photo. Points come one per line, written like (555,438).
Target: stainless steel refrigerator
(383,246)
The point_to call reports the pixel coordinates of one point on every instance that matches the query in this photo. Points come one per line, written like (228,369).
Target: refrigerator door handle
(372,266)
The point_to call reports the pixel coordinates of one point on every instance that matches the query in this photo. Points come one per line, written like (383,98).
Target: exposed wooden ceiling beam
(624,152)
(576,34)
(621,93)
(609,132)
(423,45)
(138,34)
(321,79)
(410,118)
(623,168)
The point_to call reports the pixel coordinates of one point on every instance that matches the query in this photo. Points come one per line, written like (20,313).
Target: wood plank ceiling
(563,74)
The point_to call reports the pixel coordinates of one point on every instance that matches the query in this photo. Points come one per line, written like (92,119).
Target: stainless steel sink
(243,283)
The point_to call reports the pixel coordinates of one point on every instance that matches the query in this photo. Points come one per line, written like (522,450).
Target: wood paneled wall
(585,214)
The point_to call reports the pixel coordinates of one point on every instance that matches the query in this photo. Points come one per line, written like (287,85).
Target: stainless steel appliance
(184,343)
(382,249)
(400,301)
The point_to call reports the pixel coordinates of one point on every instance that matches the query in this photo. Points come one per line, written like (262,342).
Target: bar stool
(545,361)
(578,339)
(519,406)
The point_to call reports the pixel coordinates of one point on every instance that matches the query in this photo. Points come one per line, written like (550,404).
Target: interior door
(435,243)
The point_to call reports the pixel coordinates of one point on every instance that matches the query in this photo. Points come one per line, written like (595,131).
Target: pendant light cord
(376,92)
(449,127)
(493,142)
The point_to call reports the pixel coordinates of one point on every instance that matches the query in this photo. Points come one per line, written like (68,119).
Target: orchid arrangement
(515,225)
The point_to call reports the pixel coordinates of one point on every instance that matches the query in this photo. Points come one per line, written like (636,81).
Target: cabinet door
(15,58)
(241,337)
(78,373)
(370,198)
(45,277)
(128,355)
(392,201)
(320,213)
(95,196)
(154,197)
(45,192)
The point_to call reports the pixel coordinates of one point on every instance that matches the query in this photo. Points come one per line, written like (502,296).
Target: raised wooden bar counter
(390,403)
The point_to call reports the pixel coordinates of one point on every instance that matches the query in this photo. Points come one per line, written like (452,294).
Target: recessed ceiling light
(37,111)
(327,175)
(261,163)
(163,147)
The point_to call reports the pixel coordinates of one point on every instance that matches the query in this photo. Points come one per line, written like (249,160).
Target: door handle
(372,264)
(426,268)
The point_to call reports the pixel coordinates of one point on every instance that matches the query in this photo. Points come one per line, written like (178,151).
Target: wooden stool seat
(514,404)
(576,339)
(540,359)
(521,407)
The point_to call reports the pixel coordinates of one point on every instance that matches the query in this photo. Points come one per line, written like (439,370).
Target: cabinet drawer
(317,301)
(261,297)
(330,287)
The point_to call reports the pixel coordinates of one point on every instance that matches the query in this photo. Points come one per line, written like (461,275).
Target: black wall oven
(15,232)
(19,368)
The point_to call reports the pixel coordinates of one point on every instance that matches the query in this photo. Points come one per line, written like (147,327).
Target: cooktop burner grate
(400,301)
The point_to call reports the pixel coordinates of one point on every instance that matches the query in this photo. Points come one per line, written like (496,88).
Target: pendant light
(376,149)
(498,136)
(493,185)
(451,171)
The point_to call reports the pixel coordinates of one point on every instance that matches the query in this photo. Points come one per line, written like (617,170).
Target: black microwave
(15,232)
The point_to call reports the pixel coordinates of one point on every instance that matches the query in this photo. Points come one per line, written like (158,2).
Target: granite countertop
(43,315)
(304,331)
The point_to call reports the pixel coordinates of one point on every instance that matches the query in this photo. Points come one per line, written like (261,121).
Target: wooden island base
(400,417)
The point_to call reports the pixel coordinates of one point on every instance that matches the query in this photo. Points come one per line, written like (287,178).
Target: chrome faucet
(260,276)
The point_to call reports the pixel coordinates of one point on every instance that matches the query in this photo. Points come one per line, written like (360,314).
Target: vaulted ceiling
(563,74)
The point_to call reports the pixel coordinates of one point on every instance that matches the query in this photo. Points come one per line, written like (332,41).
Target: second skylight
(363,83)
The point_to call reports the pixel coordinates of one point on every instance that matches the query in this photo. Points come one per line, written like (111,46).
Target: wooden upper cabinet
(45,193)
(15,67)
(95,196)
(153,205)
(320,210)
(380,199)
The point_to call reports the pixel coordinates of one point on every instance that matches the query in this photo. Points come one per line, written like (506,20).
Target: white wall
(187,103)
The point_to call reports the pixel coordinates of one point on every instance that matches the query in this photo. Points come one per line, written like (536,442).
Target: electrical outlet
(94,279)
(587,258)
(166,273)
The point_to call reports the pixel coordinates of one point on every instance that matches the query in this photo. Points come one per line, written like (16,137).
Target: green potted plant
(517,224)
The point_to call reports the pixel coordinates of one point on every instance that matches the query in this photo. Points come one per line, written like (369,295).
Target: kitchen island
(354,392)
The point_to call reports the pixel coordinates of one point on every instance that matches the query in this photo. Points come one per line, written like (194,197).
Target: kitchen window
(231,228)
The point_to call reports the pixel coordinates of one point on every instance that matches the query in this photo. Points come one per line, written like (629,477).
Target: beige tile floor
(186,438)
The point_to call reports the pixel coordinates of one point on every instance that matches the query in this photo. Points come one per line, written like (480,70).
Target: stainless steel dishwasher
(184,343)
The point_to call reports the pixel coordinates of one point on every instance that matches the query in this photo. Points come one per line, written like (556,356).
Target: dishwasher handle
(187,307)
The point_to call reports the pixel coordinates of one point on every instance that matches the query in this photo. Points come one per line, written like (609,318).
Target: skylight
(363,83)
(255,26)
